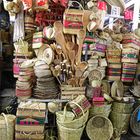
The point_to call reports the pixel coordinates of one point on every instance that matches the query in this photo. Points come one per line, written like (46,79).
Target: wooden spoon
(80,39)
(59,36)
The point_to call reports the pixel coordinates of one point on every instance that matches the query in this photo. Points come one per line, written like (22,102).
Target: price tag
(115,11)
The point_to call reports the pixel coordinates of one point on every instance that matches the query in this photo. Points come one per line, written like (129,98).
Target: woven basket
(134,124)
(120,121)
(65,133)
(122,107)
(7,127)
(103,110)
(130,55)
(77,122)
(99,128)
(113,55)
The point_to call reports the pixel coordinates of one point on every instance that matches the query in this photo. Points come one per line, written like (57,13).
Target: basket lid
(99,127)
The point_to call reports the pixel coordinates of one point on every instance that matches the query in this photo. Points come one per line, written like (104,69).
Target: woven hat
(117,90)
(46,53)
(99,128)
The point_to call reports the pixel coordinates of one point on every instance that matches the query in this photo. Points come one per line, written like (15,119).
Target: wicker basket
(120,122)
(99,128)
(122,107)
(76,122)
(65,133)
(103,110)
(7,127)
(69,92)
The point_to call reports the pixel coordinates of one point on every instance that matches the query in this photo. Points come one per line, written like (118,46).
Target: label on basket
(138,117)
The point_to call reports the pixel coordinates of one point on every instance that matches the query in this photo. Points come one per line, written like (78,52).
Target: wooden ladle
(59,36)
(80,39)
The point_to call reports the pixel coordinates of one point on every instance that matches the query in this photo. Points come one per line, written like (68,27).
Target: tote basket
(7,123)
(73,19)
(65,133)
(113,55)
(76,122)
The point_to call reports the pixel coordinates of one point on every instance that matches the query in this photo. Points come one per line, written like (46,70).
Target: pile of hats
(46,86)
(24,83)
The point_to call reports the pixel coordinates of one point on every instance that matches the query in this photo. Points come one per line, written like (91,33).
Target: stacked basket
(120,117)
(69,126)
(30,121)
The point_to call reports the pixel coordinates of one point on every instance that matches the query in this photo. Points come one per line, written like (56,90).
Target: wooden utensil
(80,39)
(59,36)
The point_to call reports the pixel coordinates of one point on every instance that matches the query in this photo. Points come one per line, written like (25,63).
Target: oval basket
(134,124)
(99,128)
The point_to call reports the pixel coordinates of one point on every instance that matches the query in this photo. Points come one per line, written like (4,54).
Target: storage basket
(29,24)
(121,107)
(120,122)
(68,92)
(76,122)
(7,123)
(130,55)
(113,55)
(103,110)
(65,133)
(99,128)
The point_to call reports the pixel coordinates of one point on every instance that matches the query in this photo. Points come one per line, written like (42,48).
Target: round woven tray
(99,128)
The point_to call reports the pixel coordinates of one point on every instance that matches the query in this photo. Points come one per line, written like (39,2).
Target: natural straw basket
(65,133)
(99,128)
(120,121)
(7,127)
(122,107)
(77,122)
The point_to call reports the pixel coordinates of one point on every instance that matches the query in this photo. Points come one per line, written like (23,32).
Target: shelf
(47,100)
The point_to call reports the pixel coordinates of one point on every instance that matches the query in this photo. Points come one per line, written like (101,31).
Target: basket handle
(71,4)
(65,109)
(5,118)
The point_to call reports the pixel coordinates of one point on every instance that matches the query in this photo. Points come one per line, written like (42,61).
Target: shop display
(73,74)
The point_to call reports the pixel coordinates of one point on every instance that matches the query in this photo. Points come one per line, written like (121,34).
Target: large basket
(65,133)
(134,124)
(76,122)
(7,127)
(99,128)
(103,110)
(122,107)
(120,122)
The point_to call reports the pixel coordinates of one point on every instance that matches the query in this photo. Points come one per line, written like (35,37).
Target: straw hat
(117,90)
(46,53)
(99,128)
